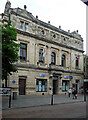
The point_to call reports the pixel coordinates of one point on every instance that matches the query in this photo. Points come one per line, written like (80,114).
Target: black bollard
(9,101)
(52,99)
(84,96)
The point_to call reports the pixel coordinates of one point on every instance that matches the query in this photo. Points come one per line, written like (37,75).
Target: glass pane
(21,25)
(20,52)
(24,53)
(36,87)
(40,87)
(26,27)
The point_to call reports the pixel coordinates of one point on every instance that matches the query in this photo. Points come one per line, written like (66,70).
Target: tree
(10,49)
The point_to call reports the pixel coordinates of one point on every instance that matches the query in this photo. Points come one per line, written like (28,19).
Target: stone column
(36,54)
(60,54)
(48,55)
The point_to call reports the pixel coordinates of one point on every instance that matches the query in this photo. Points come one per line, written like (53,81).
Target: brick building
(50,58)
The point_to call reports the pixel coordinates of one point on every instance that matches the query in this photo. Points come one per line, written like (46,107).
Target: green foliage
(10,49)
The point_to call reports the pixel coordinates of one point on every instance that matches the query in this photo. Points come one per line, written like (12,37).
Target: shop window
(21,25)
(26,26)
(23,52)
(41,85)
(63,61)
(41,58)
(65,85)
(53,58)
(77,63)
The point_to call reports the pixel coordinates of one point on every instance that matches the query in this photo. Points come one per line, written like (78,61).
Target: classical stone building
(51,59)
(86,73)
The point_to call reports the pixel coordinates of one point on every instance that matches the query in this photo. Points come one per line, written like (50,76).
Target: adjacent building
(51,59)
(86,73)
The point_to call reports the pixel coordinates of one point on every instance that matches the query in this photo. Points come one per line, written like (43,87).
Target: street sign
(5,91)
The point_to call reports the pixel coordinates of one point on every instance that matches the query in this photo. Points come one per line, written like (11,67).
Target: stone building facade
(51,59)
(86,73)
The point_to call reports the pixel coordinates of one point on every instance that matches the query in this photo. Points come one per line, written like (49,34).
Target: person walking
(69,92)
(73,92)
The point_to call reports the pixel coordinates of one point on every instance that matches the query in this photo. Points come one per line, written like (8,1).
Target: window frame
(53,58)
(26,27)
(22,58)
(41,58)
(21,25)
(63,61)
(41,85)
(76,63)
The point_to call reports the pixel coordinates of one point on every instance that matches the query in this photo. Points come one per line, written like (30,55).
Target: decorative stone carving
(7,6)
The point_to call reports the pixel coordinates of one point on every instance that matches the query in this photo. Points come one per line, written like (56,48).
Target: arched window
(63,61)
(53,58)
(77,63)
(41,58)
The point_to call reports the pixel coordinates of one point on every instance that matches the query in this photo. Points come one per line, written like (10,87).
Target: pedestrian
(69,92)
(73,92)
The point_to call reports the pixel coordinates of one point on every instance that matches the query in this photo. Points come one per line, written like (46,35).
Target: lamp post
(51,76)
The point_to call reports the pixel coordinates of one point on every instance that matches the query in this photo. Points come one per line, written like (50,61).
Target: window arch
(41,58)
(53,58)
(63,60)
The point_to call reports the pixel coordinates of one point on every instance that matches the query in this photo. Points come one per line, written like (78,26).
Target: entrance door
(22,86)
(55,86)
(77,86)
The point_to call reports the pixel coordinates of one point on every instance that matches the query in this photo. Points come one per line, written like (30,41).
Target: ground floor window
(41,85)
(65,85)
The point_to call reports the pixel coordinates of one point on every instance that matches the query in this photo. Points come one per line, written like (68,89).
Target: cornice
(47,40)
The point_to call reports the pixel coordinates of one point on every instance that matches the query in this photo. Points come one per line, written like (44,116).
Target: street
(67,110)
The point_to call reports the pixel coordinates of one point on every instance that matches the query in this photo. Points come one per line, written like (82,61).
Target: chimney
(59,27)
(68,31)
(37,16)
(77,31)
(48,22)
(25,7)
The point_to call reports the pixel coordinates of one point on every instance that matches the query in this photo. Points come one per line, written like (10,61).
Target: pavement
(38,100)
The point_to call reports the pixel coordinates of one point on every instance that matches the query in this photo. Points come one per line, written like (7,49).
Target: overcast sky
(69,14)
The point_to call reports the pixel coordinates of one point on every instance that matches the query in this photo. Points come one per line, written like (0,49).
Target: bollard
(52,100)
(84,96)
(9,101)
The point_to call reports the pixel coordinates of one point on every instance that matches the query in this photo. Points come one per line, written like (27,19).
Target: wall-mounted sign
(5,91)
(42,75)
(71,77)
(54,77)
(66,77)
(13,81)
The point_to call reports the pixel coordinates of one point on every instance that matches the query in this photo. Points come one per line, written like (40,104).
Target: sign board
(71,77)
(13,81)
(5,91)
(42,75)
(66,77)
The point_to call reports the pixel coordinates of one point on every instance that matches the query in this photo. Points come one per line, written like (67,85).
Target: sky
(69,14)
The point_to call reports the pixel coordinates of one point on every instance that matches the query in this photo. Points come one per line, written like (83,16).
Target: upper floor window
(41,58)
(63,60)
(26,26)
(53,58)
(23,51)
(42,32)
(21,25)
(77,62)
(54,36)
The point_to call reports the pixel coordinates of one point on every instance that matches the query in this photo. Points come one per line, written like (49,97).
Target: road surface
(68,110)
